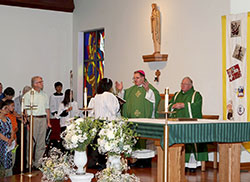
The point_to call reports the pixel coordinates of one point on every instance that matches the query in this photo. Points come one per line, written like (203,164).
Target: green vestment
(192,109)
(137,106)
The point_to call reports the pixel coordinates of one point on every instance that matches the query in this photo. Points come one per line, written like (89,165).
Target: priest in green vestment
(142,99)
(187,103)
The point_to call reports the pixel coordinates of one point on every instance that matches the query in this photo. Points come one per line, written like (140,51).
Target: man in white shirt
(41,116)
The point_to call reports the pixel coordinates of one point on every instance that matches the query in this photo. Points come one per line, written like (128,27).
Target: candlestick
(85,97)
(166,99)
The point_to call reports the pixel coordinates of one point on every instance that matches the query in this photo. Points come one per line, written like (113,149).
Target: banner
(235,56)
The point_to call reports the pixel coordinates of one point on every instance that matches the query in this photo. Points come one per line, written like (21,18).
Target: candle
(166,99)
(85,97)
(32,97)
(22,105)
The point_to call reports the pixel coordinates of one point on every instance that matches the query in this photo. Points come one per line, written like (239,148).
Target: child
(5,142)
(10,108)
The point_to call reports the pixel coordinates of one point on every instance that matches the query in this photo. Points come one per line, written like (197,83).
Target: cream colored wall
(239,6)
(34,42)
(191,35)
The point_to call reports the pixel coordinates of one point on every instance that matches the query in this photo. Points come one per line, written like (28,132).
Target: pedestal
(155,57)
(176,163)
(229,167)
(81,178)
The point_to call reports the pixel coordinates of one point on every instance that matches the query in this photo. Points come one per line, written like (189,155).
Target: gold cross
(137,94)
(137,112)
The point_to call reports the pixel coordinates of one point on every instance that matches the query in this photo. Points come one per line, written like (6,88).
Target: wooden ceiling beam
(55,5)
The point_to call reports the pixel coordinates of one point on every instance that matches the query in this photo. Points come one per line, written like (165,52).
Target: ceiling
(55,5)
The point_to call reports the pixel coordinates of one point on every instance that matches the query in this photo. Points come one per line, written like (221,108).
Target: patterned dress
(5,157)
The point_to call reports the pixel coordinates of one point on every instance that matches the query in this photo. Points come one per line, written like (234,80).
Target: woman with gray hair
(18,99)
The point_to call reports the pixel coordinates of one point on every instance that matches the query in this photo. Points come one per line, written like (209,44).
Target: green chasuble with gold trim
(192,109)
(137,106)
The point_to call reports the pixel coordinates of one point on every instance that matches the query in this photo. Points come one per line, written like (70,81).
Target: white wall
(191,35)
(34,42)
(239,6)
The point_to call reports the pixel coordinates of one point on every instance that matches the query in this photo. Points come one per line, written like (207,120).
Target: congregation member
(105,104)
(18,99)
(187,103)
(8,93)
(1,91)
(10,108)
(67,110)
(5,142)
(41,116)
(142,101)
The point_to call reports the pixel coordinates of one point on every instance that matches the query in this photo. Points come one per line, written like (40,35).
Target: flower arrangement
(116,137)
(56,166)
(80,133)
(114,175)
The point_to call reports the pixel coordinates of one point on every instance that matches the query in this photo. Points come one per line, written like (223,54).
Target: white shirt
(54,103)
(105,106)
(64,121)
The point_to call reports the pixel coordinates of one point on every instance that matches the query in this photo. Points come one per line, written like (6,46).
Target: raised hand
(119,86)
(145,85)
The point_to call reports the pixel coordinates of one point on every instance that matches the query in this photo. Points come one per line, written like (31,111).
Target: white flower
(79,121)
(107,146)
(74,139)
(127,148)
(71,127)
(116,137)
(110,134)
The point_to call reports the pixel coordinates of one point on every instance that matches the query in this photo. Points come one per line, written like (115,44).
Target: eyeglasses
(185,84)
(40,82)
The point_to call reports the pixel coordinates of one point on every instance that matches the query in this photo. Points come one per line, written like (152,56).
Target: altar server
(56,99)
(105,104)
(67,109)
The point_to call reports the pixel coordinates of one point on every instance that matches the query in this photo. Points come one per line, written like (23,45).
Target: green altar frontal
(197,132)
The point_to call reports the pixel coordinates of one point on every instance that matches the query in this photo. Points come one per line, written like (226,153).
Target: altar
(171,136)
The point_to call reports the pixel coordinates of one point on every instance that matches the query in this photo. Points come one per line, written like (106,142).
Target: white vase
(114,161)
(81,178)
(80,160)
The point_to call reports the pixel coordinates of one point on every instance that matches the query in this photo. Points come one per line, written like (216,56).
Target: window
(93,59)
